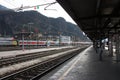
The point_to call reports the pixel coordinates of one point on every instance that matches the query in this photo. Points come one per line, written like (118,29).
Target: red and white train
(13,42)
(34,42)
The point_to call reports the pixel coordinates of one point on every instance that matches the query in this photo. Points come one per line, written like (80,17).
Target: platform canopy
(97,18)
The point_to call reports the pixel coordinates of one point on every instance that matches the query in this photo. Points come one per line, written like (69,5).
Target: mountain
(13,22)
(3,8)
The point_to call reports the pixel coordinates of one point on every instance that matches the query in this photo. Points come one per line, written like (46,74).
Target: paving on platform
(86,66)
(4,54)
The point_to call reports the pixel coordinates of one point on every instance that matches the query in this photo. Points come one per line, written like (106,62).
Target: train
(29,43)
(35,42)
(13,42)
(9,41)
(26,43)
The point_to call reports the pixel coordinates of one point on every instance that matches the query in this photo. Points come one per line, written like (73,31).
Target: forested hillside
(12,22)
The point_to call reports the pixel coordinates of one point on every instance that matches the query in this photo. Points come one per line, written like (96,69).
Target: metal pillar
(95,44)
(117,48)
(104,43)
(110,45)
(100,50)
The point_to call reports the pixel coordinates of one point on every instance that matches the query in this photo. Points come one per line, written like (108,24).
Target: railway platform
(5,54)
(86,66)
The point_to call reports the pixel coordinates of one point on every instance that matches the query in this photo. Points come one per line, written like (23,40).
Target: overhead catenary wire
(46,8)
(26,7)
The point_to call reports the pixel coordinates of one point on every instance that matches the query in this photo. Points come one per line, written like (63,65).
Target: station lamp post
(36,32)
(30,28)
(23,38)
(30,31)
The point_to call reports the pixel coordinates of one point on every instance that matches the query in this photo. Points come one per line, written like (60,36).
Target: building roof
(97,18)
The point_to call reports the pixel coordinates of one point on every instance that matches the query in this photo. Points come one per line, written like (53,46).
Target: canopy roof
(97,18)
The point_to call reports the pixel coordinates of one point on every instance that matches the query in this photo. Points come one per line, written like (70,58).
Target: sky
(57,10)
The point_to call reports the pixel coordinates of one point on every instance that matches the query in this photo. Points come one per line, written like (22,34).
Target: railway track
(22,58)
(8,48)
(38,70)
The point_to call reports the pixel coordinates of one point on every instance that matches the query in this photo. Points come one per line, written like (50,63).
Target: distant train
(8,41)
(13,42)
(38,43)
(29,43)
(26,43)
(34,42)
